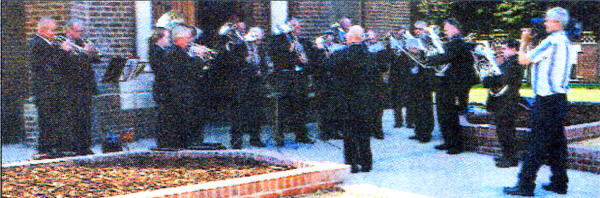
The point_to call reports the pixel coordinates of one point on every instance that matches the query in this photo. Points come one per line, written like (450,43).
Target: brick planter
(482,138)
(308,177)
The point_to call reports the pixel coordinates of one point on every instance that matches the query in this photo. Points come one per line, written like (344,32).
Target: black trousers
(401,93)
(82,122)
(247,110)
(55,125)
(357,143)
(293,103)
(423,106)
(447,112)
(547,140)
(463,98)
(185,124)
(505,115)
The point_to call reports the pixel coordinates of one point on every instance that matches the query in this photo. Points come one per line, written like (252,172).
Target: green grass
(573,86)
(479,95)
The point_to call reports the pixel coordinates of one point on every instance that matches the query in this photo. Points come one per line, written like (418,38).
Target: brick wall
(377,15)
(14,71)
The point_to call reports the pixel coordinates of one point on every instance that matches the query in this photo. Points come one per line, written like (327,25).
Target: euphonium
(230,31)
(487,66)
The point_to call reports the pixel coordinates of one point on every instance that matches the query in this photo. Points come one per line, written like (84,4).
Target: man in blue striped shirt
(551,64)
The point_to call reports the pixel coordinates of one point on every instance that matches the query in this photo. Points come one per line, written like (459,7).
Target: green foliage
(515,15)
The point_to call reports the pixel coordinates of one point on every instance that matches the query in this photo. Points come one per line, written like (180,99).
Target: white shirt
(552,61)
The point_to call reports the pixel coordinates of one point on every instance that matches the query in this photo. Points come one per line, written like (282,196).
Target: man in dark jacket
(290,59)
(400,84)
(503,99)
(250,62)
(159,43)
(459,76)
(422,88)
(351,69)
(84,87)
(51,88)
(187,83)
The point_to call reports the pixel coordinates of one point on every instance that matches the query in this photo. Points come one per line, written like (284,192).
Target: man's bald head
(46,27)
(354,34)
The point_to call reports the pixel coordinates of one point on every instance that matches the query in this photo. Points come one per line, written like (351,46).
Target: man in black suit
(421,101)
(458,77)
(84,87)
(159,45)
(351,69)
(400,85)
(250,62)
(290,59)
(504,103)
(188,84)
(51,88)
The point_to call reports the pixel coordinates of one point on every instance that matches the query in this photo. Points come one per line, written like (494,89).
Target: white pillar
(143,23)
(279,12)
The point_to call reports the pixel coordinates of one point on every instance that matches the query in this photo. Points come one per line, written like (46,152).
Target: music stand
(114,70)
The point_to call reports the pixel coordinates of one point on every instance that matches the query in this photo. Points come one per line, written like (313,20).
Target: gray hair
(45,22)
(179,31)
(421,23)
(73,22)
(559,14)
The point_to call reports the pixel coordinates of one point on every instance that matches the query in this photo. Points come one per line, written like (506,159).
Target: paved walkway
(402,167)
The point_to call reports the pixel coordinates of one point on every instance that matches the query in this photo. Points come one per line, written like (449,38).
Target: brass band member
(51,89)
(351,68)
(421,85)
(379,88)
(163,72)
(324,89)
(505,106)
(84,87)
(458,77)
(188,84)
(290,58)
(399,85)
(251,61)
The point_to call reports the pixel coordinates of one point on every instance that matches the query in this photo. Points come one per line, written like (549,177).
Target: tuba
(486,66)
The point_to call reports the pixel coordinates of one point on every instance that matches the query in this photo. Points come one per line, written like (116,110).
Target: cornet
(77,50)
(202,52)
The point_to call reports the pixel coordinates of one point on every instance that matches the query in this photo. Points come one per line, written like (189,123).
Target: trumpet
(204,53)
(77,50)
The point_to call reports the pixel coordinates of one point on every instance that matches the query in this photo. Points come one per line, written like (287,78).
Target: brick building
(120,28)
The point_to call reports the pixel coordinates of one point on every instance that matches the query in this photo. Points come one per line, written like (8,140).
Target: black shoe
(85,152)
(424,140)
(519,190)
(366,169)
(414,137)
(279,143)
(506,162)
(559,189)
(454,151)
(379,136)
(354,169)
(304,140)
(257,143)
(411,126)
(442,147)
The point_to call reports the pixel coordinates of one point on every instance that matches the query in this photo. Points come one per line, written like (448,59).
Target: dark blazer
(353,71)
(512,73)
(458,54)
(162,72)
(84,77)
(49,66)
(284,59)
(187,80)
